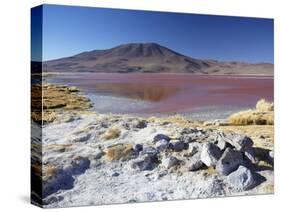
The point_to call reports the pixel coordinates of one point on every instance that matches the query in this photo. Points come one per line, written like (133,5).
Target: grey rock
(271,154)
(138,148)
(81,137)
(271,157)
(159,137)
(79,165)
(221,143)
(186,138)
(194,163)
(115,174)
(210,154)
(162,145)
(162,174)
(147,164)
(250,154)
(170,162)
(98,154)
(140,124)
(240,142)
(193,148)
(264,155)
(200,133)
(149,151)
(177,145)
(63,179)
(242,179)
(229,161)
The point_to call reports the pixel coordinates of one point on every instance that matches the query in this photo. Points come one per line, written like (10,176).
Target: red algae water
(170,93)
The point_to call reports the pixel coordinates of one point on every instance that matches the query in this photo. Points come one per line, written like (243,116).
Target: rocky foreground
(90,158)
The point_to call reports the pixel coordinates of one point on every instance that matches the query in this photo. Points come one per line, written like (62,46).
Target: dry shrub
(49,171)
(264,106)
(262,115)
(119,152)
(111,134)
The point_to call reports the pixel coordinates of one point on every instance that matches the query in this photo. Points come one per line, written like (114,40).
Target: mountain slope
(148,58)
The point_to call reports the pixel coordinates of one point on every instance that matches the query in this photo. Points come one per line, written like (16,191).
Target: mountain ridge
(149,58)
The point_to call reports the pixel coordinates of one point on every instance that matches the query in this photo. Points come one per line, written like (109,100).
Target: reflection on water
(169,93)
(146,92)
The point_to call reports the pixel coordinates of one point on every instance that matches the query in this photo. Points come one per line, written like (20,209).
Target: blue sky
(70,30)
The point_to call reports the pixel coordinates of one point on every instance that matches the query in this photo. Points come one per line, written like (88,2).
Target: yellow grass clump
(119,152)
(264,106)
(111,133)
(49,171)
(263,114)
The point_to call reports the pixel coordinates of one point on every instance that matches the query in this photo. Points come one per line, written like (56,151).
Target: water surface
(197,96)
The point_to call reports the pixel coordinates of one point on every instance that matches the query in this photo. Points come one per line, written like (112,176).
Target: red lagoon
(174,93)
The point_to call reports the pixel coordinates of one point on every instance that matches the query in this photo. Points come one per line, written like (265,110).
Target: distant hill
(149,58)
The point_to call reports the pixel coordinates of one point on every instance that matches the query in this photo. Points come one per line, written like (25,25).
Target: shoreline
(187,74)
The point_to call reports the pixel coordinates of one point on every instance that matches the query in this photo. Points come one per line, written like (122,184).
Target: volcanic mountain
(149,58)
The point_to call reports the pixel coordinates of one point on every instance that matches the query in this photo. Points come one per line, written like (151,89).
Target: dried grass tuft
(262,115)
(111,133)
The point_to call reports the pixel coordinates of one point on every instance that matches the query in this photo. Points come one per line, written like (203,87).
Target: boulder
(78,165)
(210,154)
(240,142)
(62,180)
(193,148)
(221,143)
(242,179)
(229,161)
(159,137)
(264,155)
(177,145)
(162,145)
(194,163)
(148,163)
(138,148)
(170,162)
(250,154)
